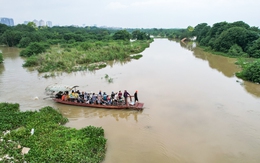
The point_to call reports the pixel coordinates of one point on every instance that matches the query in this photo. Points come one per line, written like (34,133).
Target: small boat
(137,106)
(55,88)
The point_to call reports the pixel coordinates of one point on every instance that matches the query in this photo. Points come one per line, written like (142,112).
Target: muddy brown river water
(196,110)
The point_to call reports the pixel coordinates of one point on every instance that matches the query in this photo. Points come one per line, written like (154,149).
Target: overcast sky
(133,13)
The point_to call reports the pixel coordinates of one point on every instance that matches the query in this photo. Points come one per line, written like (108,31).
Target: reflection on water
(224,65)
(252,88)
(2,67)
(82,112)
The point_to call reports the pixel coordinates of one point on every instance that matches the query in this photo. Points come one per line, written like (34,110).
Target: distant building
(49,24)
(25,22)
(41,23)
(36,22)
(7,21)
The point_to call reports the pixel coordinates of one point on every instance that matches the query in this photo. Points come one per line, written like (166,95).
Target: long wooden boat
(137,106)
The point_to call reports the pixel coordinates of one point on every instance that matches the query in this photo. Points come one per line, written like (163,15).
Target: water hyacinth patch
(50,141)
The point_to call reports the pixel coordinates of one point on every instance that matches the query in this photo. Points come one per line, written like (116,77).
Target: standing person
(135,96)
(126,94)
(119,95)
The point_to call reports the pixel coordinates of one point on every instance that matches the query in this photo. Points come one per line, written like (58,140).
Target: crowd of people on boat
(115,98)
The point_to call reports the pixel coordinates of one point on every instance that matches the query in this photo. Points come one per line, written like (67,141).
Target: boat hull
(137,106)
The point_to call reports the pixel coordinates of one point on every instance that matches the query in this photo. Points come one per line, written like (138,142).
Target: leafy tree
(251,72)
(236,50)
(239,24)
(3,28)
(33,25)
(11,37)
(24,28)
(198,28)
(34,48)
(203,33)
(254,49)
(228,38)
(122,35)
(24,42)
(256,29)
(234,35)
(217,29)
(139,35)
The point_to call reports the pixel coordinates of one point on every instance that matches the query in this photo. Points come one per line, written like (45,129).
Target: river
(196,110)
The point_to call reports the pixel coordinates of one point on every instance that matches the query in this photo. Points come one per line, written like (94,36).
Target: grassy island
(81,56)
(39,136)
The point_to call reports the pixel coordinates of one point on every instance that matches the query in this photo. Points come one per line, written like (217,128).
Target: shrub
(31,61)
(236,50)
(251,72)
(34,48)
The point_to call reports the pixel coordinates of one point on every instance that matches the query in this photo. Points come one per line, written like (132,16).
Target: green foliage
(80,55)
(227,37)
(73,48)
(34,49)
(32,25)
(254,49)
(108,79)
(122,35)
(11,118)
(1,58)
(235,39)
(51,142)
(31,61)
(251,72)
(234,35)
(3,28)
(139,35)
(11,37)
(137,56)
(236,51)
(24,42)
(198,31)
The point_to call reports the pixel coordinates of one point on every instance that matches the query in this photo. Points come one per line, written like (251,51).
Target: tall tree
(122,35)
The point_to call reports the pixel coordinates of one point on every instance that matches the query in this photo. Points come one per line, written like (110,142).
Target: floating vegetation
(52,74)
(39,136)
(96,66)
(108,79)
(136,56)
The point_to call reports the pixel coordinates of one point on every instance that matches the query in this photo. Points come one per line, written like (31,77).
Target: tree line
(77,45)
(236,39)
